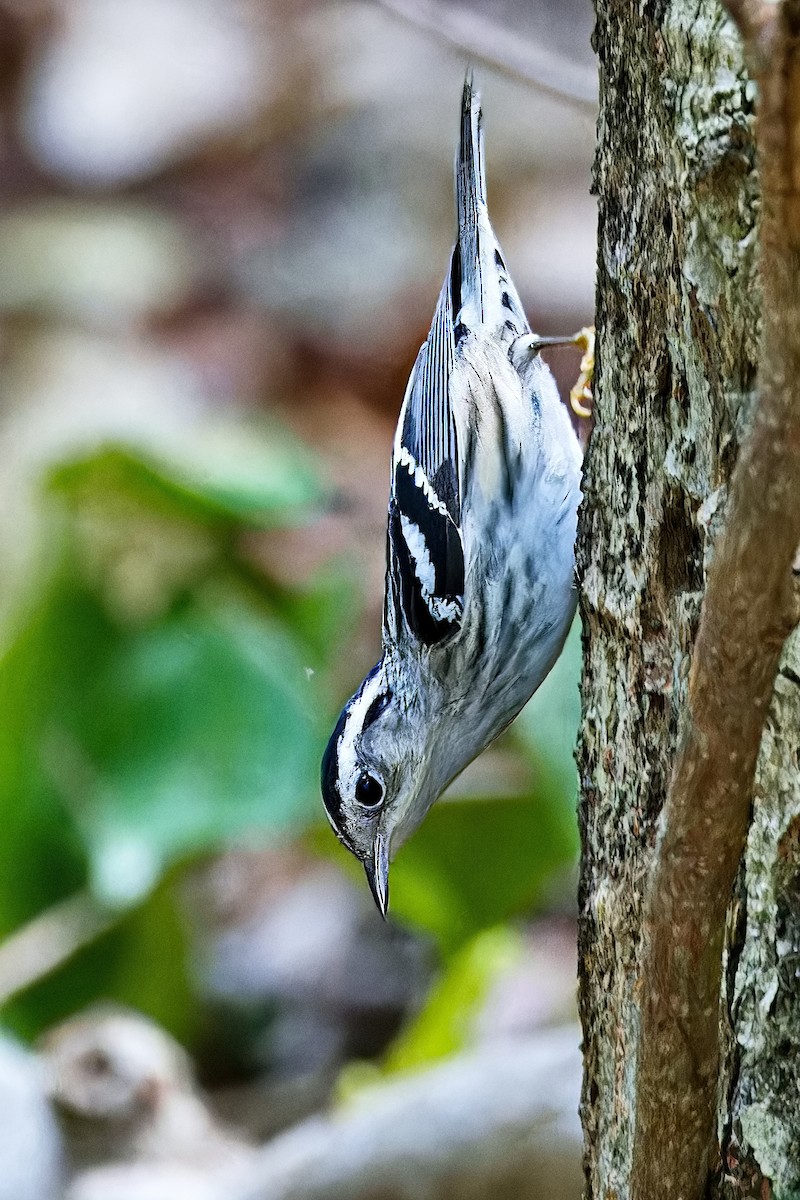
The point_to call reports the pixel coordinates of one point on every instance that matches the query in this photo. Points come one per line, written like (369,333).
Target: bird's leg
(580,396)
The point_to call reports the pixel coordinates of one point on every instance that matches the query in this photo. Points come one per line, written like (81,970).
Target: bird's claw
(580,397)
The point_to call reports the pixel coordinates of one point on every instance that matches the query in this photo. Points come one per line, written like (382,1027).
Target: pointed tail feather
(471,202)
(481,288)
(470,172)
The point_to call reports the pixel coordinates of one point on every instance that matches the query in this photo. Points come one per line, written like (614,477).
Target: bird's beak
(377,869)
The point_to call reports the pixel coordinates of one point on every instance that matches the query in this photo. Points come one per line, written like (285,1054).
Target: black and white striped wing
(425,575)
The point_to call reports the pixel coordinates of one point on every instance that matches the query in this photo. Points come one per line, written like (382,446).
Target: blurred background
(223,231)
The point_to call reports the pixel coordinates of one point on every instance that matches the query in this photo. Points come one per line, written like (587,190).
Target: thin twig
(483,40)
(746,616)
(50,940)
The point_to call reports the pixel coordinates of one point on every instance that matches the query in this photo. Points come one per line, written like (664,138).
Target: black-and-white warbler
(480,590)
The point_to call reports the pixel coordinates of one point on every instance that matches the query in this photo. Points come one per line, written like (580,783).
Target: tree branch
(482,39)
(49,940)
(499,1121)
(746,616)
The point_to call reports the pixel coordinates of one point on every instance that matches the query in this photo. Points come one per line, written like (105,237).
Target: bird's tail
(486,294)
(470,172)
(471,203)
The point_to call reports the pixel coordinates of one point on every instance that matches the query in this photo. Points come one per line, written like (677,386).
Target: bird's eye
(369,791)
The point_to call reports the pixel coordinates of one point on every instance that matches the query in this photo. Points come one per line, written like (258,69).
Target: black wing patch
(431,618)
(426,556)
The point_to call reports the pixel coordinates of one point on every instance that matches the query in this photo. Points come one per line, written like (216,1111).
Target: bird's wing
(425,569)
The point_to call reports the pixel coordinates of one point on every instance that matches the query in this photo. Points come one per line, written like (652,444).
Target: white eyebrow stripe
(349,768)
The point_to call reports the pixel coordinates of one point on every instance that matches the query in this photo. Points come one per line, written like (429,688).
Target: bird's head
(376,781)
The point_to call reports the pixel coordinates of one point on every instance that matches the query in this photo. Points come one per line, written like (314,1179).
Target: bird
(480,577)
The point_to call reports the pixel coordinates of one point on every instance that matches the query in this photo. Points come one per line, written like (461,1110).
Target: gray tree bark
(759,1108)
(678,317)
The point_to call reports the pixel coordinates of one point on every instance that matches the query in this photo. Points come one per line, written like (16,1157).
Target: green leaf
(446,1022)
(42,857)
(320,616)
(474,863)
(197,730)
(123,749)
(260,477)
(156,700)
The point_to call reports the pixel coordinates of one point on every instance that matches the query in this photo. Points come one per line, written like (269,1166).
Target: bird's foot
(580,397)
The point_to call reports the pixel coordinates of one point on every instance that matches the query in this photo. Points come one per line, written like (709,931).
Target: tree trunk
(759,1109)
(678,322)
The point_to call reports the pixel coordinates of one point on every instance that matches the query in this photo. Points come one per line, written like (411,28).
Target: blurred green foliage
(161,696)
(158,699)
(142,961)
(446,1023)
